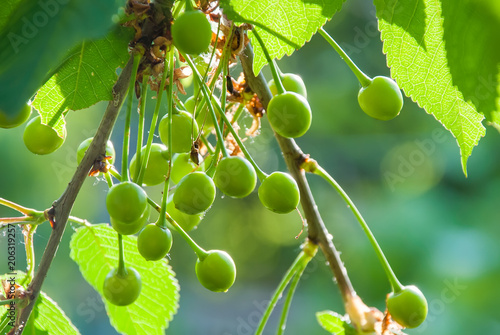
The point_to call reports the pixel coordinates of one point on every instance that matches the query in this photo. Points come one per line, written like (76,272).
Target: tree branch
(62,207)
(294,156)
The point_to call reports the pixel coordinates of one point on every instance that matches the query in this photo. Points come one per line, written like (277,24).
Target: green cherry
(122,289)
(279,193)
(217,271)
(83,147)
(154,242)
(132,227)
(182,164)
(235,176)
(12,121)
(157,168)
(381,99)
(184,131)
(41,139)
(186,221)
(289,114)
(195,193)
(408,307)
(191,32)
(203,118)
(126,202)
(291,82)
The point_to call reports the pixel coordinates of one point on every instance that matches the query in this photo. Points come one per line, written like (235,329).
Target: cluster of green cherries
(290,116)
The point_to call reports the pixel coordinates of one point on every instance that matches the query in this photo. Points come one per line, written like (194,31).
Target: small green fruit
(182,164)
(279,193)
(154,242)
(217,272)
(408,307)
(126,202)
(132,227)
(122,289)
(12,121)
(235,176)
(41,139)
(157,168)
(83,147)
(291,82)
(195,193)
(191,32)
(289,114)
(381,99)
(184,131)
(186,221)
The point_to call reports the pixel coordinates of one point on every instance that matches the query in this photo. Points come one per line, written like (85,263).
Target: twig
(317,231)
(62,207)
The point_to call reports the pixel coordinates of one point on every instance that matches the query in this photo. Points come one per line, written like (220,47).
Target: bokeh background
(439,229)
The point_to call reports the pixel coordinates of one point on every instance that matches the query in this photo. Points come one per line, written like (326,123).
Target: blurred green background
(438,229)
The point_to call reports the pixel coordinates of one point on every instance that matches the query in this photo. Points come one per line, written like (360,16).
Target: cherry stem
(77,220)
(162,222)
(297,267)
(313,167)
(122,270)
(276,74)
(188,5)
(225,68)
(28,231)
(261,175)
(363,79)
(201,106)
(288,301)
(21,209)
(140,130)
(126,133)
(5,222)
(8,302)
(154,121)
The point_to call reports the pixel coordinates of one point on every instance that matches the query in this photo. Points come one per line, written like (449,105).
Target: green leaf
(47,317)
(284,26)
(95,249)
(334,323)
(46,30)
(85,77)
(446,56)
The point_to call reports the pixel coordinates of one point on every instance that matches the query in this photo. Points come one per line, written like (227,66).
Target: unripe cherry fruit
(203,118)
(12,121)
(126,202)
(191,32)
(122,289)
(184,131)
(84,146)
(131,227)
(235,176)
(195,193)
(154,242)
(381,99)
(291,82)
(182,164)
(217,271)
(41,139)
(157,167)
(408,307)
(279,192)
(186,221)
(289,114)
